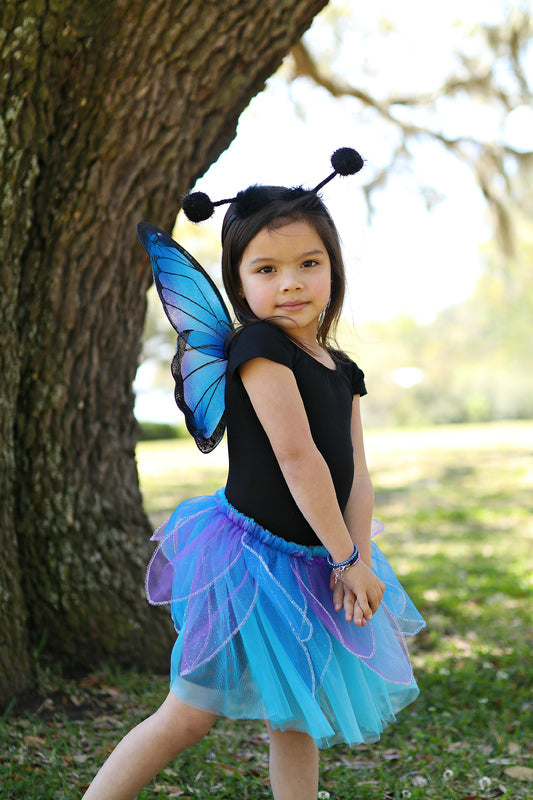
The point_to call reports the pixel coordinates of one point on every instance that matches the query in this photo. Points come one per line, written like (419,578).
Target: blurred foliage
(472,100)
(422,77)
(473,358)
(469,365)
(157,431)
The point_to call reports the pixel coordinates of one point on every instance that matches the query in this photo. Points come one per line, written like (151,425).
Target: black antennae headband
(198,206)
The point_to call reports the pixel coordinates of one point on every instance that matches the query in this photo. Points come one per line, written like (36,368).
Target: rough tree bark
(109,111)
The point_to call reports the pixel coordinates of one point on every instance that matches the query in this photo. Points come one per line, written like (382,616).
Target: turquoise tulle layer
(258,634)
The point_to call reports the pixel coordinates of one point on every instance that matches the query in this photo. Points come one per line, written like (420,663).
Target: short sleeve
(260,340)
(357,379)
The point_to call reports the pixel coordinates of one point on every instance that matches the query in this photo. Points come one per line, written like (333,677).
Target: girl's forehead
(290,234)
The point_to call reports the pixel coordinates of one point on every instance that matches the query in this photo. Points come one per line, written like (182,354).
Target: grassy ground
(457,505)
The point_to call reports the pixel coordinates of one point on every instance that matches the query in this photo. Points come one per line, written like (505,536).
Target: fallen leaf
(390,755)
(108,721)
(358,764)
(228,769)
(259,738)
(75,699)
(520,773)
(170,791)
(34,741)
(112,691)
(457,746)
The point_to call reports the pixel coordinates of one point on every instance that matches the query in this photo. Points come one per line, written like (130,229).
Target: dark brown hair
(282,206)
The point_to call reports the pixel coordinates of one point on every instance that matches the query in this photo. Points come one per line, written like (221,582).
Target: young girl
(286,611)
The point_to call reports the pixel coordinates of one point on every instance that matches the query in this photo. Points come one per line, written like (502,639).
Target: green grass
(457,506)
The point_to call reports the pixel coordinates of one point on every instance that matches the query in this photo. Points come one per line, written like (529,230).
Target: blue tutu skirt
(258,634)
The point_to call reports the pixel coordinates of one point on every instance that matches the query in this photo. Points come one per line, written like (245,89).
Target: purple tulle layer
(259,637)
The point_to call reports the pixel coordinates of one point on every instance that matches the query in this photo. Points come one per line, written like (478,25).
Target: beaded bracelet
(341,566)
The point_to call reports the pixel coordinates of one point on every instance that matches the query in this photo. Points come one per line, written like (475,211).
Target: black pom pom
(346,161)
(197,206)
(250,200)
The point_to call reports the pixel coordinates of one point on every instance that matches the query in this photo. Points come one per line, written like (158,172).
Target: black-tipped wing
(199,316)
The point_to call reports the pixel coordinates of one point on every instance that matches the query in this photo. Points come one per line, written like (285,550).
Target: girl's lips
(296,306)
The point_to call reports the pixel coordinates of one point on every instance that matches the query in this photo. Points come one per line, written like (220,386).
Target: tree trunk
(110,111)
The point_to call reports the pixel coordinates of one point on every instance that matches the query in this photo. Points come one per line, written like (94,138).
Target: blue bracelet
(341,567)
(349,561)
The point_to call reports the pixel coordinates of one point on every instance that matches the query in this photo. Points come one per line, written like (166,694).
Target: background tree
(436,101)
(476,105)
(428,96)
(109,111)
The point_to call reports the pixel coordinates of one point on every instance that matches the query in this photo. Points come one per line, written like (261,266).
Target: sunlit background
(424,246)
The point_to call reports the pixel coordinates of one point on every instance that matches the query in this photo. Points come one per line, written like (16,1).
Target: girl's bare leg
(293,765)
(147,748)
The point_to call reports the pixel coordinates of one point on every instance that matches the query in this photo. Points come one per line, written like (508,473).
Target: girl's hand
(359,591)
(343,597)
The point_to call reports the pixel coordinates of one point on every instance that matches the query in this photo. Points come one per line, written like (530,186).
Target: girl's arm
(360,505)
(276,399)
(357,514)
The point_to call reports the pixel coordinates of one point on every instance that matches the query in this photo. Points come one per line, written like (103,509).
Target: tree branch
(486,159)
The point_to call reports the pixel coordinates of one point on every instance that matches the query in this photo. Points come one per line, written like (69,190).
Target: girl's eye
(266,270)
(309,263)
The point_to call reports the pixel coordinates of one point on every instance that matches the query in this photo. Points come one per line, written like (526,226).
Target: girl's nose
(291,281)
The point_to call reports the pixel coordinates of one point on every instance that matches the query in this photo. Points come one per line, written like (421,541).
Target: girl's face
(285,274)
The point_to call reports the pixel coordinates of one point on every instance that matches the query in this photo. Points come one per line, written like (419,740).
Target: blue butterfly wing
(198,314)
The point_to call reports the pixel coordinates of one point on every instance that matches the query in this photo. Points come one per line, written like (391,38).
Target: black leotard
(256,486)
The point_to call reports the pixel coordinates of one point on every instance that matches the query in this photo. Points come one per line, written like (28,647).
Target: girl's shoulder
(259,340)
(264,339)
(352,371)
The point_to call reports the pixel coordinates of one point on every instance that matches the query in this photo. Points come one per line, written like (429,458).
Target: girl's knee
(197,726)
(182,724)
(290,740)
